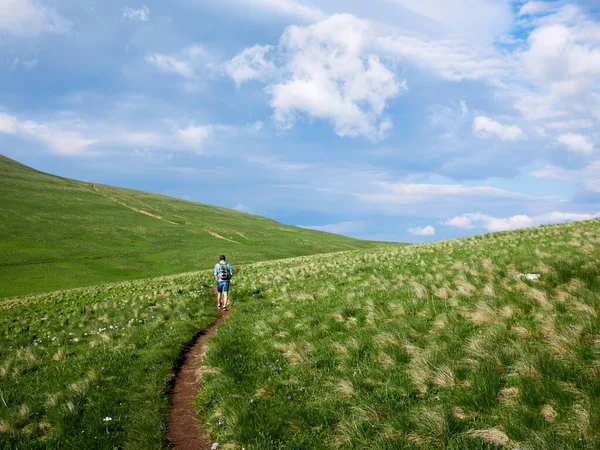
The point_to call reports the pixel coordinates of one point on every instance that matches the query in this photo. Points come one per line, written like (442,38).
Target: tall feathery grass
(443,345)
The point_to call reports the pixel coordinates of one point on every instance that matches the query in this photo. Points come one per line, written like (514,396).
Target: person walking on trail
(223,273)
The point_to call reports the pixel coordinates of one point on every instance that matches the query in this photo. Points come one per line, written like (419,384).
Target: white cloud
(195,137)
(588,177)
(401,193)
(564,59)
(490,223)
(576,142)
(76,137)
(329,74)
(251,65)
(30,18)
(187,63)
(59,140)
(142,14)
(332,76)
(534,106)
(475,17)
(422,231)
(342,69)
(534,8)
(339,228)
(483,127)
(8,124)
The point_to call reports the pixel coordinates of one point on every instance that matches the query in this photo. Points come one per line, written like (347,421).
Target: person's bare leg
(225,299)
(218,299)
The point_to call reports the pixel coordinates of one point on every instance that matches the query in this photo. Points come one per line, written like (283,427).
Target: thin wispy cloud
(490,223)
(142,14)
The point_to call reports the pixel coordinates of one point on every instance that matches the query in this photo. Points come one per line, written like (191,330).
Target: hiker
(223,274)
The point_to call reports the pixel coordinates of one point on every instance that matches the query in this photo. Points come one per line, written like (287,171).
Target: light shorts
(223,286)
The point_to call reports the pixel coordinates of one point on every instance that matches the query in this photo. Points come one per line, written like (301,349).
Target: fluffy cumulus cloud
(565,60)
(142,14)
(490,223)
(251,64)
(485,127)
(422,231)
(328,73)
(30,18)
(576,142)
(561,61)
(403,193)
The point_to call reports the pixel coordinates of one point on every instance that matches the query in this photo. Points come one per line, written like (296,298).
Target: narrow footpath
(185,432)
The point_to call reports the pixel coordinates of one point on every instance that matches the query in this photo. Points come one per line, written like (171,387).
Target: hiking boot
(224,308)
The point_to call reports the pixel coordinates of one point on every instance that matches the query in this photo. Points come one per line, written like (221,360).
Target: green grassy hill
(437,346)
(59,233)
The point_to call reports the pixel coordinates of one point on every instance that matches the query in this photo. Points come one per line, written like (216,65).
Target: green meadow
(437,346)
(58,233)
(90,368)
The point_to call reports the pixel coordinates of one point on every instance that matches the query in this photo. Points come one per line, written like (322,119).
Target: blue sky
(404,120)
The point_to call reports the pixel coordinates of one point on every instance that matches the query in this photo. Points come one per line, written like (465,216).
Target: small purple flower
(301,389)
(289,397)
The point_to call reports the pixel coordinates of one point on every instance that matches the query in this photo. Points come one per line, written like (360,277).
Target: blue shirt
(218,267)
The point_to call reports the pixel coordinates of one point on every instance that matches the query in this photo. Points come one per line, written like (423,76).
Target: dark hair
(222,258)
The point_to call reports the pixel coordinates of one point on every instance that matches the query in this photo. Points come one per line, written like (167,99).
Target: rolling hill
(59,233)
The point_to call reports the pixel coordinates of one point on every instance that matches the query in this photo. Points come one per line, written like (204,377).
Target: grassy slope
(59,233)
(430,346)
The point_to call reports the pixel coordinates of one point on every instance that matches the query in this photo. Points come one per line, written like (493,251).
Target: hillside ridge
(62,233)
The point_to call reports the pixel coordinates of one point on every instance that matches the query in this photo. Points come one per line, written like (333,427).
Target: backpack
(224,272)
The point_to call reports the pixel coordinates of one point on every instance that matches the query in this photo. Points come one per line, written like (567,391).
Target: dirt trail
(133,208)
(185,431)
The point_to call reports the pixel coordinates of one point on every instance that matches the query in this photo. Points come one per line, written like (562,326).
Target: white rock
(529,276)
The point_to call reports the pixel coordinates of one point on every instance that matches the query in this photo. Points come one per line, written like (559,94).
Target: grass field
(59,233)
(90,368)
(439,346)
(430,346)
